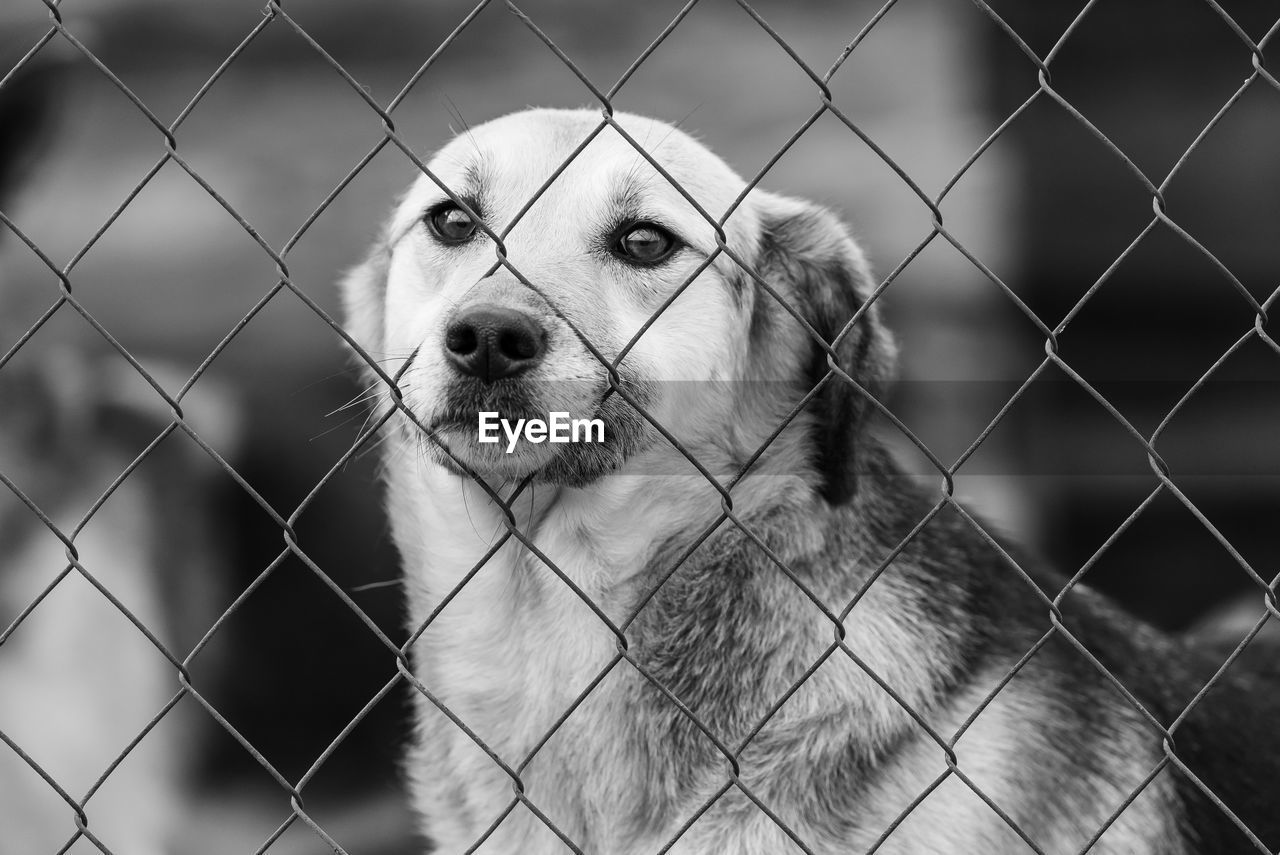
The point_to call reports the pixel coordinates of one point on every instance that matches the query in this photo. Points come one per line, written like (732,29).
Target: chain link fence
(86,515)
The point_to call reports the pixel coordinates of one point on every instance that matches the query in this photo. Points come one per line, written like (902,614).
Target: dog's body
(735,652)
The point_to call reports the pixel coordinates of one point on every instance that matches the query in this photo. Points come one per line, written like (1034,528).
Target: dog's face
(595,261)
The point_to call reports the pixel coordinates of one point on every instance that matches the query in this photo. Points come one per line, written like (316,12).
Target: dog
(731,625)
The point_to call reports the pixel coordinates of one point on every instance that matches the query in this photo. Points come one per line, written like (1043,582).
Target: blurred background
(1048,208)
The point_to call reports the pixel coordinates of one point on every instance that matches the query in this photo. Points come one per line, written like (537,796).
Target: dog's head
(596,267)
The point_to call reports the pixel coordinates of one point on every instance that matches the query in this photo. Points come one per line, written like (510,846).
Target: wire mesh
(65,300)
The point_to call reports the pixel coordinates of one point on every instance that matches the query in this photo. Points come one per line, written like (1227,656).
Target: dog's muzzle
(490,342)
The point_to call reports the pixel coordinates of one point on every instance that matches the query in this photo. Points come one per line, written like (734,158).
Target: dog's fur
(1058,750)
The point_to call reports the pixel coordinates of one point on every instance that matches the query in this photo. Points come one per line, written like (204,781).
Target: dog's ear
(810,260)
(364,293)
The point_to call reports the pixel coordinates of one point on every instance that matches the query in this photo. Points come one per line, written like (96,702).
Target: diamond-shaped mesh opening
(1062,212)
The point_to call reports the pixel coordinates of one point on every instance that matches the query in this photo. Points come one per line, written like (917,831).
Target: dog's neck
(600,537)
(510,646)
(507,644)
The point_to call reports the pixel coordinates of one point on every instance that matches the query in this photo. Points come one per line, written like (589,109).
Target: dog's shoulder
(1230,742)
(983,590)
(1225,743)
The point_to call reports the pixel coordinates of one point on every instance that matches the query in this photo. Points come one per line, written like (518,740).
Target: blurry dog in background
(78,681)
(730,653)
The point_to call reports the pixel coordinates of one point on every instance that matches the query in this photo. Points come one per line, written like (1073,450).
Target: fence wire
(79,805)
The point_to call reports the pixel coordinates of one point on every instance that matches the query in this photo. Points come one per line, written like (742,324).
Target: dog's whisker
(457,114)
(372,393)
(466,508)
(339,426)
(371,445)
(373,586)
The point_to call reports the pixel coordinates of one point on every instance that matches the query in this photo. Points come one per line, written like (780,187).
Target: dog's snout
(491,342)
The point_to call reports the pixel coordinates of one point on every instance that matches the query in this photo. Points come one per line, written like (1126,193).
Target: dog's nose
(491,342)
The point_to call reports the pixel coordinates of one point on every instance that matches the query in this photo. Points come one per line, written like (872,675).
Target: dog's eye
(450,223)
(645,243)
